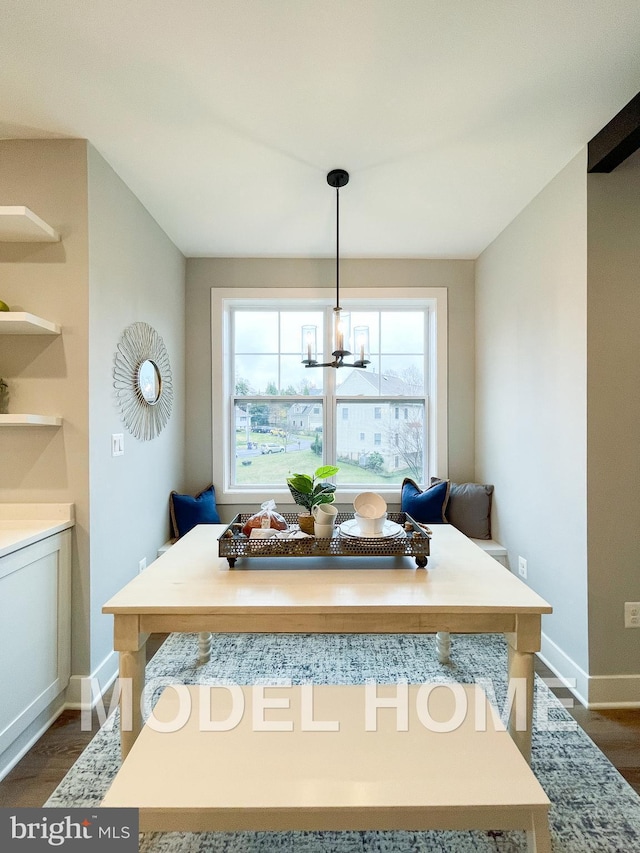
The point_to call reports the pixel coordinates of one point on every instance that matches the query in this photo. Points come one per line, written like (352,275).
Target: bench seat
(494,549)
(306,761)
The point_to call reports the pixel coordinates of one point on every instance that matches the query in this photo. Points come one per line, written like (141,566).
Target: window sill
(282,497)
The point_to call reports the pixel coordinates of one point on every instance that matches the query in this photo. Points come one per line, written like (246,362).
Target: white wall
(614,425)
(135,274)
(531,399)
(297,273)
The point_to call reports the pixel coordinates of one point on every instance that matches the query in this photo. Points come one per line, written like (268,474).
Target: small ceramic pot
(306,523)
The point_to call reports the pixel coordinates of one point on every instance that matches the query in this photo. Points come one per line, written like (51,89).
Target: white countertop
(24,524)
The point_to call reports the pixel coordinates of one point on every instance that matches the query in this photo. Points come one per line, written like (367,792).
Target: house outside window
(290,418)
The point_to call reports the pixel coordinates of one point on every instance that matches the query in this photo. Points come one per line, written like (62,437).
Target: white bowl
(370,505)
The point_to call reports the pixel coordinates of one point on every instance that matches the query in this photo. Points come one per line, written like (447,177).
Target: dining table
(192,589)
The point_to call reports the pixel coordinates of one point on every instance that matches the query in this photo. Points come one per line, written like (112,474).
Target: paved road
(292,447)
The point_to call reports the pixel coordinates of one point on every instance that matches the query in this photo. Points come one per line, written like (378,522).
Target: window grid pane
(275,434)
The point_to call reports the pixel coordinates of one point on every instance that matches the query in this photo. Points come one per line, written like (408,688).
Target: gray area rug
(593,807)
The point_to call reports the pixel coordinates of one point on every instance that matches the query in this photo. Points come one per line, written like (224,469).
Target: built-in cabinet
(35,621)
(20,225)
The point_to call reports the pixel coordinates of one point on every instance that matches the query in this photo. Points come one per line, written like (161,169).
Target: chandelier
(342,339)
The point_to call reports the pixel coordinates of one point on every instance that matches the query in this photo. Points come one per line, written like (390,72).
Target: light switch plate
(117,444)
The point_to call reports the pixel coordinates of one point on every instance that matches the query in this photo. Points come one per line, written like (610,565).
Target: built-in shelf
(23,323)
(20,225)
(30,420)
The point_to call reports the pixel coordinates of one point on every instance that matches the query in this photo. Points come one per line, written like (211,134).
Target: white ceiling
(224,116)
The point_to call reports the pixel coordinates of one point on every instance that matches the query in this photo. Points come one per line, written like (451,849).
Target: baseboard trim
(595,692)
(33,739)
(614,691)
(104,674)
(568,671)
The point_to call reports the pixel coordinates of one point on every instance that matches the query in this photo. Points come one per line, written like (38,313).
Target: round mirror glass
(149,381)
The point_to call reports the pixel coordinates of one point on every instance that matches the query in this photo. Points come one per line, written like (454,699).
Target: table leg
(443,646)
(538,837)
(204,646)
(521,647)
(132,646)
(132,666)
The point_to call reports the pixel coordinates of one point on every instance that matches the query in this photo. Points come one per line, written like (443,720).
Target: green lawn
(276,467)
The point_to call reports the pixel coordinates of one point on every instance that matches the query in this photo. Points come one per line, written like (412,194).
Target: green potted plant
(309,490)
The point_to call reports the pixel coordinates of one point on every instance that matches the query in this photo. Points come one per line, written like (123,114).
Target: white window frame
(222,428)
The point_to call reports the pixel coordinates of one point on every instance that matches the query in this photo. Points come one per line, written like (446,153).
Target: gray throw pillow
(469,508)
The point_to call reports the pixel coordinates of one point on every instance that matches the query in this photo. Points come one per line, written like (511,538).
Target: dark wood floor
(35,777)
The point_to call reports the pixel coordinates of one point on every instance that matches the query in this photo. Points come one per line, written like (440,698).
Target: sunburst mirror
(142,381)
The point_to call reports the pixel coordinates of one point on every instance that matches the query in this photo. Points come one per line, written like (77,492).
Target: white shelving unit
(18,224)
(23,323)
(30,420)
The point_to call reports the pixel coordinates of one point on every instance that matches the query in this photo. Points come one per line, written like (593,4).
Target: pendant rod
(337,248)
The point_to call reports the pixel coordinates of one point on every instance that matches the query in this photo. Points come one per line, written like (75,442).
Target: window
(273,416)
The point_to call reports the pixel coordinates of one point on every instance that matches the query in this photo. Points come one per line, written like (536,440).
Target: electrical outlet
(142,564)
(632,614)
(117,444)
(522,567)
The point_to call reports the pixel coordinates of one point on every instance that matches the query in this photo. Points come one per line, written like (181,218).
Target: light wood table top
(191,578)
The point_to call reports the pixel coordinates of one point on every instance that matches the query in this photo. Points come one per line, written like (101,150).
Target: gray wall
(135,274)
(531,397)
(49,375)
(206,273)
(614,416)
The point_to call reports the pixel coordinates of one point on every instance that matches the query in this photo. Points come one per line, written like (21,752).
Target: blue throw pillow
(186,511)
(428,507)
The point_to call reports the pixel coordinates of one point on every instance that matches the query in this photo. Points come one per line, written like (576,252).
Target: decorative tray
(233,544)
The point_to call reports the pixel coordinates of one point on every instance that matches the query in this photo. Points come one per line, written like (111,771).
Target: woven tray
(233,544)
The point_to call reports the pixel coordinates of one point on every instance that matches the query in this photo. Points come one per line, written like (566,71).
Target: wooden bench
(191,779)
(494,549)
